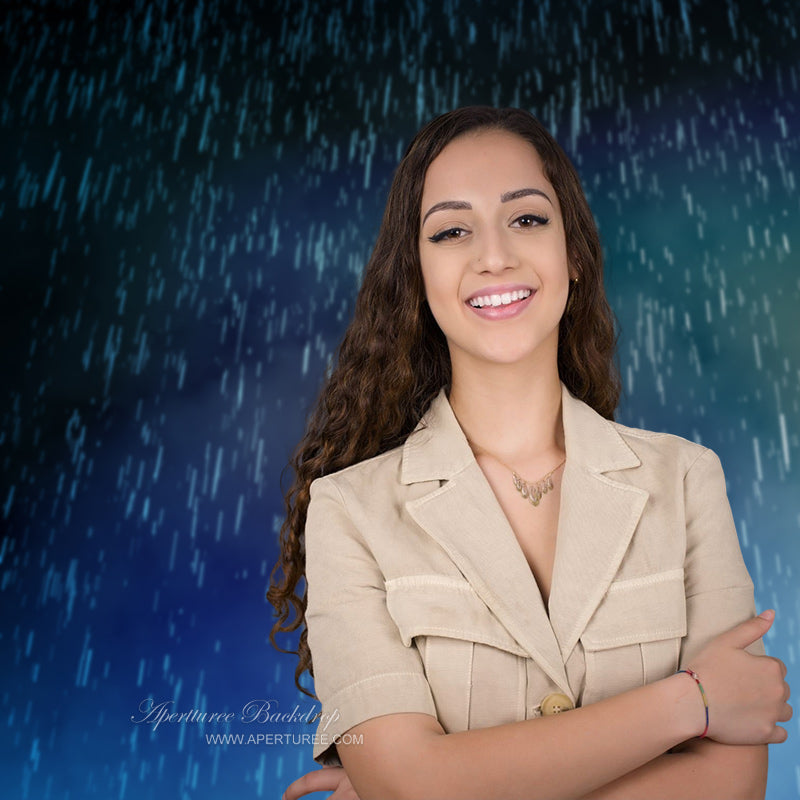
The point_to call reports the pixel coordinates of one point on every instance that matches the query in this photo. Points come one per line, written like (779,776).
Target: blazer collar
(598,515)
(437,448)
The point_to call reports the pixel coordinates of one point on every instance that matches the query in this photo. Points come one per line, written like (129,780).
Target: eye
(530,221)
(450,234)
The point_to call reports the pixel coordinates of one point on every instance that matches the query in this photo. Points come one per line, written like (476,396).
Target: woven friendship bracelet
(696,678)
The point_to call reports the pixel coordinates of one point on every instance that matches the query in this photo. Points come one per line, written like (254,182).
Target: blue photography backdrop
(189,192)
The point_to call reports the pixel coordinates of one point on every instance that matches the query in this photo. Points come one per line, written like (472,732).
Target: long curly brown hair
(394,359)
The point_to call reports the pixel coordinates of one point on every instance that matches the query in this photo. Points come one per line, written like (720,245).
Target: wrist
(688,717)
(696,678)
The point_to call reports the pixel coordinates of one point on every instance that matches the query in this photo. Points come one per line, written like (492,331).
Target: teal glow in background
(188,194)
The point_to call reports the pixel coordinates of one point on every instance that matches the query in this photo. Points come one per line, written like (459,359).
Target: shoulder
(371,477)
(658,440)
(604,445)
(364,507)
(659,446)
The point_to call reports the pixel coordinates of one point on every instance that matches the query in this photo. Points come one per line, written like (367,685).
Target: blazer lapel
(597,519)
(466,520)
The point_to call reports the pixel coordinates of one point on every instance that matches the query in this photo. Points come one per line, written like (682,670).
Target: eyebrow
(461,205)
(517,193)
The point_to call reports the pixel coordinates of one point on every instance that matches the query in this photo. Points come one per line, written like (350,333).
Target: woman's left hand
(327,779)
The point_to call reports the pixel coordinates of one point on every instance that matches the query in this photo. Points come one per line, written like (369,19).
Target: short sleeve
(719,591)
(362,669)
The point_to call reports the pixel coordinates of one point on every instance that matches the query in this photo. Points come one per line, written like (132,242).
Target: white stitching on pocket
(646,580)
(420,581)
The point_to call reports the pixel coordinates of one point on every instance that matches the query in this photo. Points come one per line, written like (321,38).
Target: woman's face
(492,250)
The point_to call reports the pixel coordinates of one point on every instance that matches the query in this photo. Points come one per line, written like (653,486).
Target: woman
(483,547)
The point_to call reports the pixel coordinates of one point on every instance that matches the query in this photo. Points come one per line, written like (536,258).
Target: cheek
(437,307)
(435,285)
(442,310)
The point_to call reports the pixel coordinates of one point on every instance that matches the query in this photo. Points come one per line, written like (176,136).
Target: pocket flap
(436,605)
(634,610)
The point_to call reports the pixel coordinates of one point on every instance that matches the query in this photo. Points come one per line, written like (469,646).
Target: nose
(494,251)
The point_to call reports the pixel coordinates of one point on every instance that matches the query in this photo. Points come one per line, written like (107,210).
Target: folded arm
(565,756)
(698,770)
(701,769)
(616,748)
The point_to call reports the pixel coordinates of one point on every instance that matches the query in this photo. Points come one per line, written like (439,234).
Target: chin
(507,350)
(505,356)
(519,352)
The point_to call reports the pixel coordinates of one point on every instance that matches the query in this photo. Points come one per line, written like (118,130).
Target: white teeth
(499,299)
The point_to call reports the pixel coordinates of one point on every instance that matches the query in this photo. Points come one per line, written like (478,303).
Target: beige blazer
(421,599)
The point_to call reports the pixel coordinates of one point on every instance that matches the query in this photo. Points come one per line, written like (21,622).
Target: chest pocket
(634,636)
(475,668)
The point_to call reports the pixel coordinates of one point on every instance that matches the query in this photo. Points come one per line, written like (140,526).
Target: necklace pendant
(533,492)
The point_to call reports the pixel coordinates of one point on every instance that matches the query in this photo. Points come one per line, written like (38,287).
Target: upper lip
(500,289)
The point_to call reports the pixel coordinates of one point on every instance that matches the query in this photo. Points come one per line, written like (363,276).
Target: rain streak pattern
(188,195)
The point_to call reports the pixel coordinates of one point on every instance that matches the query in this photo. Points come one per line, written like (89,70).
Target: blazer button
(555,704)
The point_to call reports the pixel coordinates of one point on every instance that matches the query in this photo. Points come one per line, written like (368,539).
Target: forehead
(484,161)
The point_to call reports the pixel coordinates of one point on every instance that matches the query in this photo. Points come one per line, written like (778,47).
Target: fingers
(778,736)
(747,632)
(780,664)
(781,691)
(318,780)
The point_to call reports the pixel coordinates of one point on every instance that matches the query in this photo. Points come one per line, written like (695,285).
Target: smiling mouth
(495,300)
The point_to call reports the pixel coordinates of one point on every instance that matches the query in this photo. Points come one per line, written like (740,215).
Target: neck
(513,413)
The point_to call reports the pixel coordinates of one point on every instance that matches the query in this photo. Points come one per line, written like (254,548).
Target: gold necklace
(531,491)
